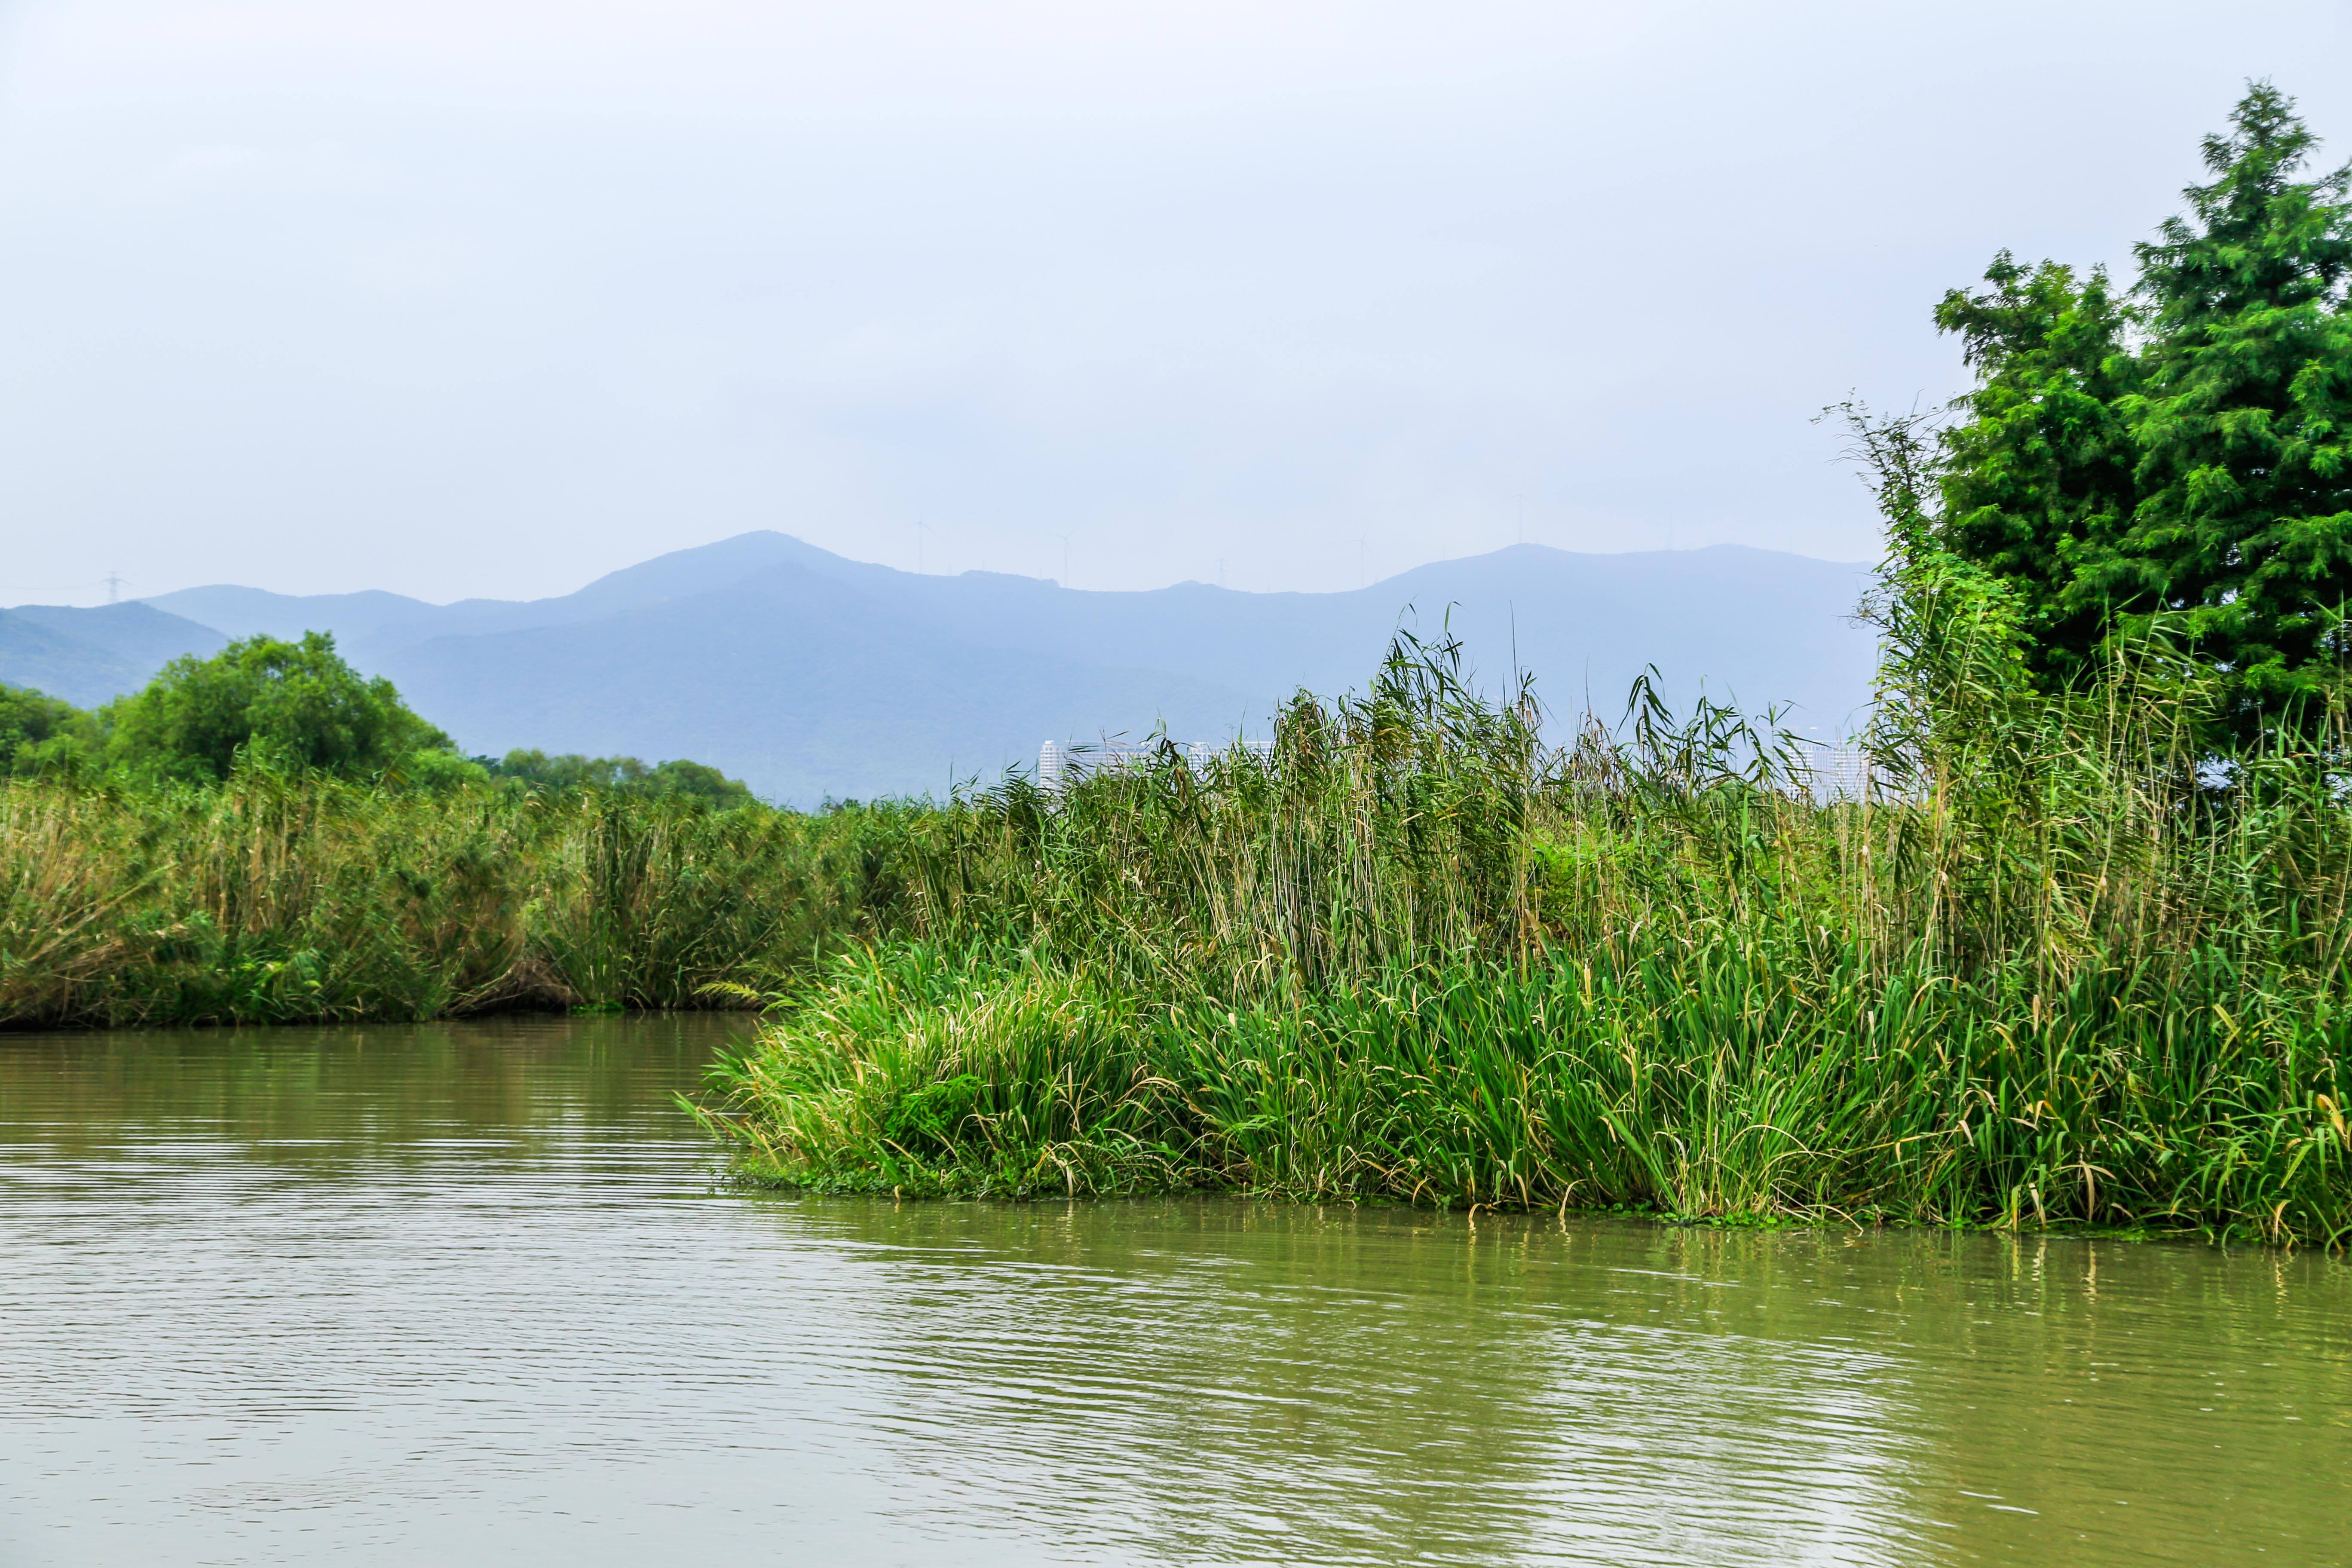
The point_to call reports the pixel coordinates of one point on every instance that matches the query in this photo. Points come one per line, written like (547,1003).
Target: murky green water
(469,1295)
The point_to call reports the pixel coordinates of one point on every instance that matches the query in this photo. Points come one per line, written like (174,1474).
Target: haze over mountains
(810,675)
(86,655)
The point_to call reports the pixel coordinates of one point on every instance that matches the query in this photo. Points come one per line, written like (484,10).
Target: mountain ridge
(811,675)
(86,655)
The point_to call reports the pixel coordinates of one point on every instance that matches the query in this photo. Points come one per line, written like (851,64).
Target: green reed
(2039,974)
(281,899)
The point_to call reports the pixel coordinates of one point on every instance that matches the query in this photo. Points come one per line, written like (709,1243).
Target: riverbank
(2039,979)
(2038,973)
(1558,1085)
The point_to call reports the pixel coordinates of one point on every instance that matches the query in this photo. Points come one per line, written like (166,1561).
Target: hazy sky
(487,297)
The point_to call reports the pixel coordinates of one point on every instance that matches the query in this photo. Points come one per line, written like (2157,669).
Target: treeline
(2076,954)
(677,779)
(295,708)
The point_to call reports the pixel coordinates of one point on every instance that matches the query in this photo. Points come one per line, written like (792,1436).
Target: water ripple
(476,1294)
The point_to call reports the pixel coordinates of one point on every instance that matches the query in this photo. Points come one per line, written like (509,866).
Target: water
(471,1294)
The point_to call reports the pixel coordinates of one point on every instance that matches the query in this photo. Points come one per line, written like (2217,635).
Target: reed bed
(2051,969)
(277,898)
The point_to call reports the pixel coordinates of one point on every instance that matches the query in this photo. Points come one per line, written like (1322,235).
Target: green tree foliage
(2039,478)
(2184,454)
(2245,458)
(39,733)
(621,775)
(293,705)
(298,706)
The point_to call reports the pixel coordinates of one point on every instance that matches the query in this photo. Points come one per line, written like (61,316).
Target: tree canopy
(295,705)
(2184,451)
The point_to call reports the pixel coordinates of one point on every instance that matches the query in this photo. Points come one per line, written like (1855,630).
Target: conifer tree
(2242,422)
(2186,453)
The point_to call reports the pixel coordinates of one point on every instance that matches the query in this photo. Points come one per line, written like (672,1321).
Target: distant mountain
(799,685)
(808,674)
(378,620)
(255,611)
(86,655)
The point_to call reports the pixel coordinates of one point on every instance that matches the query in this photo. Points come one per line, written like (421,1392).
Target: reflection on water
(472,1294)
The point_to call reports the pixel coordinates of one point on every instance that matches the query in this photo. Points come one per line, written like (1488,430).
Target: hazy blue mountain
(32,655)
(86,655)
(146,637)
(1759,626)
(372,622)
(808,674)
(250,612)
(797,683)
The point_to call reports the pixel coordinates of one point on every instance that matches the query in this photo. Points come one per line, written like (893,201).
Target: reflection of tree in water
(1213,1381)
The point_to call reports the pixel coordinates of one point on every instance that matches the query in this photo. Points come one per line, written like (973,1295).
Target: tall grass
(2040,975)
(277,898)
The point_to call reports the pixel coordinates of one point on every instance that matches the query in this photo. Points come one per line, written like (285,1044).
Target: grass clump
(940,1070)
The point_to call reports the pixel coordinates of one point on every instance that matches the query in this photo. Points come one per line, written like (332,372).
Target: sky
(489,297)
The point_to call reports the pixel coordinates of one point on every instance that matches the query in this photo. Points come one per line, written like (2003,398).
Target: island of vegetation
(2073,953)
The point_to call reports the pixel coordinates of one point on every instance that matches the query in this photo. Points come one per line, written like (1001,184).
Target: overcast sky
(489,297)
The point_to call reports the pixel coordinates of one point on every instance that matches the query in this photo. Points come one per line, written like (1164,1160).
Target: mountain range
(809,675)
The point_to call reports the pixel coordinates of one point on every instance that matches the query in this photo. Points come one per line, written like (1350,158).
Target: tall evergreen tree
(2242,423)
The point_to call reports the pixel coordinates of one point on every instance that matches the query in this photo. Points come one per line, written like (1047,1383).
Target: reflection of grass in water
(1416,956)
(319,1098)
(1382,1386)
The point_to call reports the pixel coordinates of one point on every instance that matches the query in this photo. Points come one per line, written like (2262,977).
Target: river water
(473,1294)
